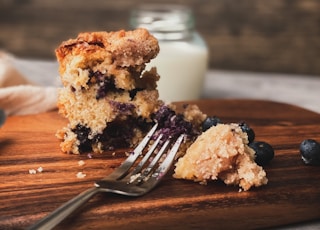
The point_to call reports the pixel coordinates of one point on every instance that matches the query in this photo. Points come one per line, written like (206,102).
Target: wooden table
(291,196)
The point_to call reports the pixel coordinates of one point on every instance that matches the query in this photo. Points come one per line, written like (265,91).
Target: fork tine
(146,172)
(122,170)
(167,162)
(147,156)
(151,181)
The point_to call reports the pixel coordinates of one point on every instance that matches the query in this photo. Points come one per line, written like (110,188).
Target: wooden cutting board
(291,196)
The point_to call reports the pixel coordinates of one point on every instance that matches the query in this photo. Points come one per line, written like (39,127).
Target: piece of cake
(221,152)
(108,97)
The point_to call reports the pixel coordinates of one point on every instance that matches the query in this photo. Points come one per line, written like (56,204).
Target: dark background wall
(254,35)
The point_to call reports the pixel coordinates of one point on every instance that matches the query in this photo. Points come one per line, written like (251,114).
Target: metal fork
(126,180)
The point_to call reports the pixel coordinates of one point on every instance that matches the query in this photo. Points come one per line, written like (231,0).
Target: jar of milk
(183,57)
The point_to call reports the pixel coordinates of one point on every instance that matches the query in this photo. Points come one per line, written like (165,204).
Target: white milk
(183,57)
(182,66)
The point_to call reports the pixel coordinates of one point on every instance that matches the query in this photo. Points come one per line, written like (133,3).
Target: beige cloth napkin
(18,95)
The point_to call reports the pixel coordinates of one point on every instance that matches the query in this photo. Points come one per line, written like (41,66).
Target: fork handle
(54,218)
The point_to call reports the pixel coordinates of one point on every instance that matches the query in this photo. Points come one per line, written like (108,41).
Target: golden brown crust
(123,48)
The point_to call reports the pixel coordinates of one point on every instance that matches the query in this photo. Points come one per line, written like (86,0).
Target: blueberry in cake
(108,97)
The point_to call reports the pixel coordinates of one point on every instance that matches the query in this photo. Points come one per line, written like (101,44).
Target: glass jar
(183,57)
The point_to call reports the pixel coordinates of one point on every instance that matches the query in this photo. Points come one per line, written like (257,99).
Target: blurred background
(280,36)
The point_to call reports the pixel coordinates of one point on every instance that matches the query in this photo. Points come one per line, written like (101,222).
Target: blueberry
(105,83)
(310,152)
(82,133)
(171,124)
(164,115)
(209,122)
(263,152)
(247,129)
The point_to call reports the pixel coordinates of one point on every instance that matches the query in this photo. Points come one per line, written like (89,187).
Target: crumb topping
(222,153)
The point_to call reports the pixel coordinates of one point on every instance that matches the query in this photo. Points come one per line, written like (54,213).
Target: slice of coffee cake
(107,95)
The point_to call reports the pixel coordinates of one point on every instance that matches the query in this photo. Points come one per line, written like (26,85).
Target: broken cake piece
(221,152)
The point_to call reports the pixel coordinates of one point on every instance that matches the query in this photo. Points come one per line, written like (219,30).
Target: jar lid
(167,22)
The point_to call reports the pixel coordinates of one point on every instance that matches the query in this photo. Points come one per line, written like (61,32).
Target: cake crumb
(134,177)
(81,175)
(32,171)
(81,163)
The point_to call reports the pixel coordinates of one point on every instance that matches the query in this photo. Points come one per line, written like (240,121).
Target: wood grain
(291,196)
